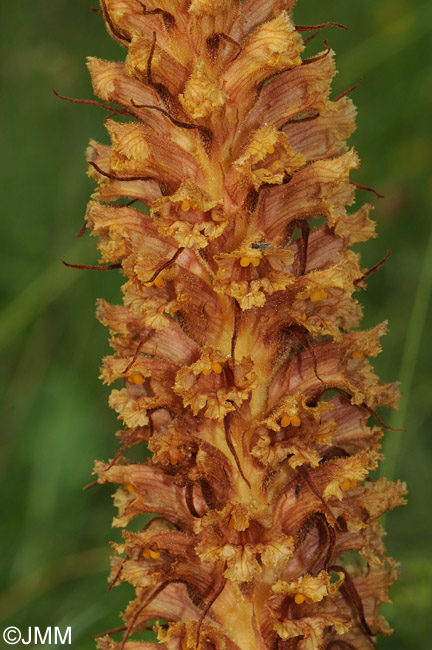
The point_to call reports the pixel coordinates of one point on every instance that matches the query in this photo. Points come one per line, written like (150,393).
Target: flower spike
(237,354)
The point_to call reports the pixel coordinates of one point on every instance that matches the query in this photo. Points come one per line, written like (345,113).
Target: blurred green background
(55,420)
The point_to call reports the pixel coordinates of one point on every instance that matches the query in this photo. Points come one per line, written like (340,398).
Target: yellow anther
(185,206)
(357,355)
(318,295)
(270,149)
(299,599)
(129,487)
(136,379)
(255,261)
(159,282)
(345,485)
(216,367)
(245,261)
(295,421)
(206,371)
(148,284)
(148,553)
(285,421)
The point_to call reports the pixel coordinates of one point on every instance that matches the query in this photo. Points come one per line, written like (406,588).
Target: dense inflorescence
(236,343)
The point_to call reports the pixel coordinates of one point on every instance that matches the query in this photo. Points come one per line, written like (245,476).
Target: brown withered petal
(237,354)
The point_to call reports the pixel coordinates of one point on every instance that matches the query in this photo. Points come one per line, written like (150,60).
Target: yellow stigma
(159,282)
(299,599)
(318,295)
(245,261)
(292,420)
(346,485)
(357,355)
(270,149)
(129,487)
(215,367)
(185,206)
(136,379)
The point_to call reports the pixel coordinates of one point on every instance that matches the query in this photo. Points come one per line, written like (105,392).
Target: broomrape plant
(237,344)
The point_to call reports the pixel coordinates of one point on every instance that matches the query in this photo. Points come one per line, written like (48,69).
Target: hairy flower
(237,357)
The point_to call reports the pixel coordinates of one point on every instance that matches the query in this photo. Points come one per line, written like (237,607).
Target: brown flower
(236,347)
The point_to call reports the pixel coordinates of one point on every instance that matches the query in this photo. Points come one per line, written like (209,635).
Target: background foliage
(55,420)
